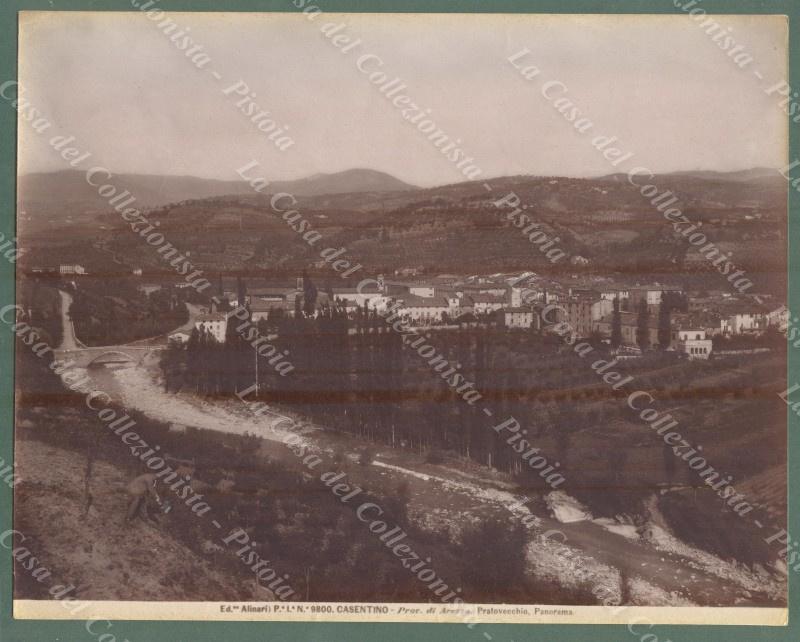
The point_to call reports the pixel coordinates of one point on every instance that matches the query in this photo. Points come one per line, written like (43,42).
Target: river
(676,574)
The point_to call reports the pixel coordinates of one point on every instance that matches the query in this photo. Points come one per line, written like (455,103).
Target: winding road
(69,342)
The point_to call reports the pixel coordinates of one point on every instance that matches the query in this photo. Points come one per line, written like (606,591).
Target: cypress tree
(643,326)
(616,325)
(664,326)
(309,295)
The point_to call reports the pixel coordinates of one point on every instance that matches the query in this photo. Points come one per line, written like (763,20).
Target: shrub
(366,457)
(434,457)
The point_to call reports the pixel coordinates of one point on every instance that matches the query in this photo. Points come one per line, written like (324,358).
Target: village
(697,320)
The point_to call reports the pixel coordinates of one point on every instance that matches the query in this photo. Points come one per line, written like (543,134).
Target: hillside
(94,549)
(457,228)
(57,191)
(67,193)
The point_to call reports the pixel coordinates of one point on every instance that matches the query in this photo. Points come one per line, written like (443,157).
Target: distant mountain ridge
(753,174)
(53,191)
(69,187)
(740,175)
(346,182)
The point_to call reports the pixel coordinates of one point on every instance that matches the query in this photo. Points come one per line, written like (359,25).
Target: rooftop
(413,301)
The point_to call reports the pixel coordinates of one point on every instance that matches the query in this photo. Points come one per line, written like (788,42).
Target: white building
(424,309)
(778,317)
(518,317)
(742,322)
(215,323)
(694,343)
(426,291)
(71,269)
(652,294)
(482,303)
(614,293)
(351,297)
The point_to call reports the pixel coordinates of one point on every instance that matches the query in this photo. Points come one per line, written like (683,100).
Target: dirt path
(68,341)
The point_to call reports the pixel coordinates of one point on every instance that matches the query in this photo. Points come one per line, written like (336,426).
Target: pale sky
(658,83)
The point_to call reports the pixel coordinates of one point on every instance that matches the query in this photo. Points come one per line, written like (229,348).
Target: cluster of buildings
(518,301)
(421,303)
(693,325)
(63,269)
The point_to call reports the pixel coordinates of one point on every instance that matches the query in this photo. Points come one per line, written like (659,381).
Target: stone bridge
(84,357)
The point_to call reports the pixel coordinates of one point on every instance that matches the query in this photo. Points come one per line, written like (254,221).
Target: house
(214,323)
(615,292)
(457,302)
(71,269)
(260,308)
(523,296)
(273,294)
(582,312)
(707,321)
(694,343)
(483,303)
(518,317)
(524,289)
(629,322)
(494,289)
(743,321)
(583,292)
(453,300)
(422,290)
(355,298)
(178,338)
(424,309)
(650,293)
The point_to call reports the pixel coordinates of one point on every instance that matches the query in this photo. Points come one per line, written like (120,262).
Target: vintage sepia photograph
(467,318)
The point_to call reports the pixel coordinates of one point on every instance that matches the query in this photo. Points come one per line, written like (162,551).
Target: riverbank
(454,497)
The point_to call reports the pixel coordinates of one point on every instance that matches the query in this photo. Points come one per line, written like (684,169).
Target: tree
(595,339)
(616,325)
(664,325)
(298,299)
(241,291)
(643,326)
(309,296)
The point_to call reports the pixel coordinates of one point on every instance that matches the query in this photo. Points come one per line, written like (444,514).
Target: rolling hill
(457,228)
(50,197)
